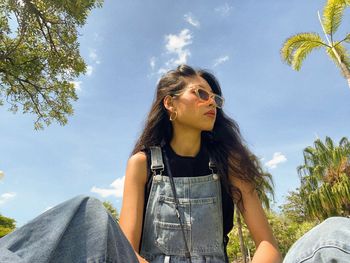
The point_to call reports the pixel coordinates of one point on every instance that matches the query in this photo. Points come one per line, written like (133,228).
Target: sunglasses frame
(211,95)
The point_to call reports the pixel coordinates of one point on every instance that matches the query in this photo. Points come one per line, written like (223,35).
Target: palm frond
(325,184)
(345,2)
(332,15)
(319,146)
(347,38)
(342,52)
(345,143)
(329,143)
(295,42)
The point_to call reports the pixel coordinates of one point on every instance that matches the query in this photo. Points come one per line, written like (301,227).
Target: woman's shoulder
(138,158)
(137,165)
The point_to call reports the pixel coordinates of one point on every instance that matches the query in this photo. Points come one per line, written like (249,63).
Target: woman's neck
(186,143)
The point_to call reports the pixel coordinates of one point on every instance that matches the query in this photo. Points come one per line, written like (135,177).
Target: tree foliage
(285,231)
(7,225)
(294,207)
(297,47)
(112,210)
(332,15)
(325,178)
(40,58)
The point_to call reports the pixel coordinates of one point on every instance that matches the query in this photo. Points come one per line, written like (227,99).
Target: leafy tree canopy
(294,208)
(39,56)
(7,225)
(325,178)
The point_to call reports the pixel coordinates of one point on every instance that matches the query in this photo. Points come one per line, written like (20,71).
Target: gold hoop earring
(171,116)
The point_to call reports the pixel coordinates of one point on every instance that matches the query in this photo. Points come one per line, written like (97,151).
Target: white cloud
(77,85)
(276,159)
(1,175)
(89,70)
(6,196)
(224,10)
(116,189)
(221,60)
(177,52)
(93,55)
(176,45)
(152,62)
(189,18)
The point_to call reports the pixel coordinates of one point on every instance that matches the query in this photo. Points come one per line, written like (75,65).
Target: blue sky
(127,45)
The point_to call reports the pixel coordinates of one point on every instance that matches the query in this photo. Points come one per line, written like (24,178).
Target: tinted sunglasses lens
(219,101)
(203,94)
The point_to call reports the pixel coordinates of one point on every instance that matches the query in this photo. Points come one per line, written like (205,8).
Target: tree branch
(40,16)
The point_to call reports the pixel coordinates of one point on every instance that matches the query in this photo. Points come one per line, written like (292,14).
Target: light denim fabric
(78,230)
(201,213)
(328,242)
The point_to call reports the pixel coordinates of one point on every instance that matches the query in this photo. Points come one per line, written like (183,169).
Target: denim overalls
(200,211)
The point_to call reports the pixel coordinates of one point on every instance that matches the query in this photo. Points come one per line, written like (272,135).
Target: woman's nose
(212,102)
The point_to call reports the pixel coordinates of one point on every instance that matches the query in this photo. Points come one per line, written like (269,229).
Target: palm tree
(265,190)
(325,178)
(297,47)
(112,210)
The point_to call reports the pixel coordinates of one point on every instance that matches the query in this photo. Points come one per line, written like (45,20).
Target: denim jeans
(327,242)
(78,230)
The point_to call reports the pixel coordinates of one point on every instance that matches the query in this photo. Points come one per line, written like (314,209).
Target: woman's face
(193,112)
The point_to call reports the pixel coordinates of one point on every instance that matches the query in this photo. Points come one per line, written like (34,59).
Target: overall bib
(200,210)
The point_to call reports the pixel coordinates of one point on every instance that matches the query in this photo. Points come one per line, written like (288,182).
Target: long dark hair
(224,143)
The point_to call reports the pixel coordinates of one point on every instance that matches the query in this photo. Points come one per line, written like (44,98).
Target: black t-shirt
(186,166)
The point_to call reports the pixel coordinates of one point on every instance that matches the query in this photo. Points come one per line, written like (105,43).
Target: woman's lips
(210,113)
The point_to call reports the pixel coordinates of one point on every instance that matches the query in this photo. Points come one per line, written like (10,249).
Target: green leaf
(297,47)
(345,2)
(332,15)
(347,38)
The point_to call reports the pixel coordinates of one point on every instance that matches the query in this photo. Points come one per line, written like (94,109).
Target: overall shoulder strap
(156,159)
(211,162)
(212,165)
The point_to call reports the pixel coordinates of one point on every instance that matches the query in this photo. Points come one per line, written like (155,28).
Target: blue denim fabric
(78,230)
(201,212)
(200,208)
(327,242)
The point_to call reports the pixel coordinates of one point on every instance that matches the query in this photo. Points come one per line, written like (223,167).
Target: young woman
(199,149)
(187,169)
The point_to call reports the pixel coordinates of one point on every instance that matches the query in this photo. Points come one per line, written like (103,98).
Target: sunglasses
(205,95)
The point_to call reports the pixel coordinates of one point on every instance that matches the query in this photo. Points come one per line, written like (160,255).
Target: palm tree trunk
(345,70)
(240,235)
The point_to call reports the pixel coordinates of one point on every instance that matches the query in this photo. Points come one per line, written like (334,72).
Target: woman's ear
(168,103)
